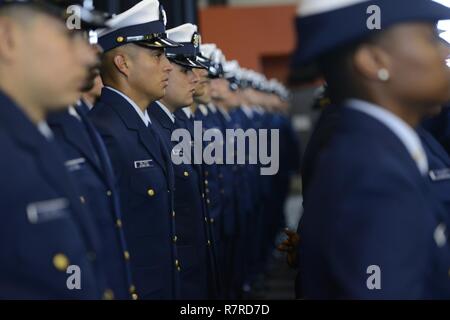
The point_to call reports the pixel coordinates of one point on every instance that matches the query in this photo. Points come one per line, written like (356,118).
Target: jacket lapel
(133,122)
(75,133)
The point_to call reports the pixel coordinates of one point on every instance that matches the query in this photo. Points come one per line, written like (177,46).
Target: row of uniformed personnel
(91,203)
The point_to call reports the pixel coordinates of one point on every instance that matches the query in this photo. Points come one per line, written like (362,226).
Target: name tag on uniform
(74,164)
(441,174)
(143,164)
(43,211)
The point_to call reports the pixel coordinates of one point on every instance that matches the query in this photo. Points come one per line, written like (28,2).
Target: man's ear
(9,36)
(369,59)
(122,63)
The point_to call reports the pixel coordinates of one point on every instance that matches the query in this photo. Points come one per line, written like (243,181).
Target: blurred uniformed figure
(45,231)
(87,160)
(195,241)
(439,126)
(212,172)
(372,227)
(135,72)
(234,186)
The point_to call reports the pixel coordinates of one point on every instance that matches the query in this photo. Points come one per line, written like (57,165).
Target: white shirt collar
(166,111)
(212,107)
(203,109)
(187,111)
(260,110)
(248,111)
(401,129)
(73,112)
(142,114)
(45,130)
(224,113)
(87,103)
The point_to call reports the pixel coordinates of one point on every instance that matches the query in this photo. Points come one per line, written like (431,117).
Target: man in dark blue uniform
(87,160)
(195,241)
(135,73)
(46,236)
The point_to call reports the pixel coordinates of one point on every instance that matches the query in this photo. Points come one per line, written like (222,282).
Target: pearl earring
(383,74)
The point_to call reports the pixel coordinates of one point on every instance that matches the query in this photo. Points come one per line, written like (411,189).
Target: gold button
(186,174)
(126,255)
(203,195)
(61,262)
(82,200)
(206,220)
(108,295)
(109,193)
(177,263)
(134,296)
(119,223)
(209,243)
(206,182)
(208,201)
(173,214)
(178,269)
(175,238)
(120,39)
(211,220)
(132,289)
(151,192)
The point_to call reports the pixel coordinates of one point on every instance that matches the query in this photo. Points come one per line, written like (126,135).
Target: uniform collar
(225,114)
(73,112)
(166,111)
(212,107)
(45,130)
(247,110)
(142,114)
(407,135)
(203,109)
(188,112)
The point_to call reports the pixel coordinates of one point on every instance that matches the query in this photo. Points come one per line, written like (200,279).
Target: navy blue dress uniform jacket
(439,167)
(87,160)
(208,188)
(229,172)
(215,187)
(44,229)
(145,178)
(194,240)
(439,127)
(368,206)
